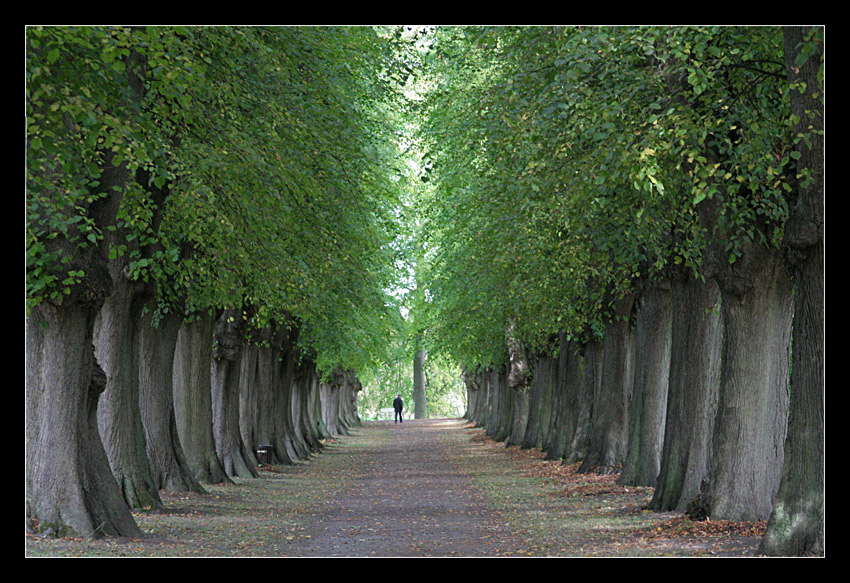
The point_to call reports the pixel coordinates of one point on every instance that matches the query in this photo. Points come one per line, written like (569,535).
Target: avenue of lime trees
(615,233)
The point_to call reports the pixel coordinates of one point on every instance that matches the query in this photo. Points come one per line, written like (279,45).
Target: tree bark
(472,382)
(563,422)
(519,381)
(521,402)
(305,374)
(548,406)
(609,429)
(796,525)
(751,423)
(311,420)
(193,399)
(119,416)
(63,385)
(591,387)
(694,386)
(348,406)
(541,392)
(648,407)
(330,395)
(156,404)
(225,384)
(503,405)
(420,401)
(275,363)
(249,388)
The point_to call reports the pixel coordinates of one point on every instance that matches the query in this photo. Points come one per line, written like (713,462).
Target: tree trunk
(193,399)
(548,406)
(311,420)
(694,383)
(796,526)
(348,406)
(225,383)
(156,404)
(486,399)
(500,413)
(298,388)
(519,381)
(609,429)
(566,372)
(119,416)
(543,387)
(249,389)
(648,408)
(63,385)
(330,394)
(274,364)
(750,429)
(420,402)
(283,433)
(482,408)
(591,387)
(472,382)
(521,400)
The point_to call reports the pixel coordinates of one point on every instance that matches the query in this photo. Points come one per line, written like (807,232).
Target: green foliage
(335,178)
(272,148)
(444,388)
(574,161)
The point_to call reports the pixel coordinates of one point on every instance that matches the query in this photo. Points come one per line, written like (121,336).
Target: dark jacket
(398,404)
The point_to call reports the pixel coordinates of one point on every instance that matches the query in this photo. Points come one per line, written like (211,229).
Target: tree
(576,164)
(207,165)
(693,391)
(796,525)
(648,405)
(228,351)
(157,342)
(735,108)
(77,175)
(420,406)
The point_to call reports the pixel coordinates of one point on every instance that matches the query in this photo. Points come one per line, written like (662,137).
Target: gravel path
(413,500)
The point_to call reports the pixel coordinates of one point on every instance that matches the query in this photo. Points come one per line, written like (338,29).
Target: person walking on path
(398,405)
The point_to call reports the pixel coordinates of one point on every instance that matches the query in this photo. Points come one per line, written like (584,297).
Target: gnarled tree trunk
(249,389)
(591,387)
(751,422)
(609,430)
(348,416)
(563,419)
(796,526)
(63,385)
(648,407)
(193,399)
(472,382)
(519,381)
(541,396)
(304,374)
(225,384)
(694,385)
(119,417)
(156,404)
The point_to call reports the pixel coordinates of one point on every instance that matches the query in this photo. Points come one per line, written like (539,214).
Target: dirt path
(437,488)
(413,500)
